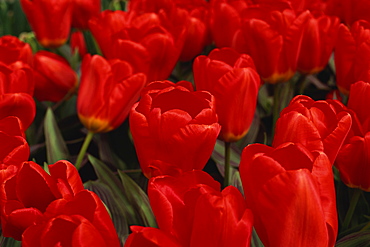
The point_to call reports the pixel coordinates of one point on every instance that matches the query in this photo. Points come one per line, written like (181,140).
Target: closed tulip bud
(78,43)
(353,160)
(50,21)
(54,77)
(108,89)
(174,129)
(352,55)
(319,37)
(290,187)
(225,20)
(231,78)
(272,37)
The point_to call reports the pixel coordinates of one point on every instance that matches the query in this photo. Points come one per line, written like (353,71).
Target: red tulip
(318,125)
(174,129)
(83,221)
(29,193)
(291,188)
(13,50)
(14,147)
(140,40)
(42,209)
(349,11)
(50,21)
(83,11)
(20,105)
(190,15)
(225,20)
(319,37)
(54,78)
(353,160)
(352,55)
(78,43)
(233,81)
(17,77)
(108,89)
(272,37)
(197,213)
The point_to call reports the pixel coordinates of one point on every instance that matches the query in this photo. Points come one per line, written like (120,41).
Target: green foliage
(56,149)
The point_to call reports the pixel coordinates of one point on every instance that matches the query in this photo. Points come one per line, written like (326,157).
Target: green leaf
(138,199)
(56,149)
(236,181)
(107,177)
(9,242)
(255,241)
(108,155)
(357,239)
(112,203)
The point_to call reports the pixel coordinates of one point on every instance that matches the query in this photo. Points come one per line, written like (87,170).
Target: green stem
(355,197)
(83,149)
(300,84)
(227,164)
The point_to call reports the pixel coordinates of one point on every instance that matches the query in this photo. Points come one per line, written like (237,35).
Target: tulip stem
(227,164)
(355,197)
(83,149)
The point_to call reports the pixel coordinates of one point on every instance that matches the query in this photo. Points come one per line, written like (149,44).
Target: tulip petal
(150,237)
(290,212)
(35,188)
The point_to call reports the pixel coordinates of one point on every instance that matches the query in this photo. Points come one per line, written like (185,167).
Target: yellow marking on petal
(95,125)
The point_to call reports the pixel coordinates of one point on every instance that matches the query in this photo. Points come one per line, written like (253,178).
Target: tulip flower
(78,43)
(190,15)
(318,125)
(231,78)
(20,105)
(197,214)
(352,55)
(83,11)
(51,22)
(83,221)
(42,209)
(174,129)
(272,37)
(14,147)
(319,37)
(140,40)
(349,11)
(353,160)
(225,20)
(291,194)
(108,89)
(13,50)
(17,77)
(54,78)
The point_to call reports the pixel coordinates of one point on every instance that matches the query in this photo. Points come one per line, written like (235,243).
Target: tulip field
(184,123)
